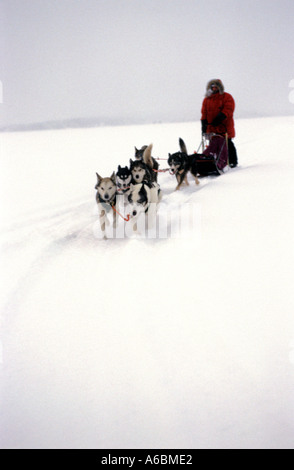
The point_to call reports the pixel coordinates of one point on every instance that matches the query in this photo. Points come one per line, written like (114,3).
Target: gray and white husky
(106,201)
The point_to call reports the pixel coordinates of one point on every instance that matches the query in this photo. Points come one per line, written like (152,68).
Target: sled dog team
(139,187)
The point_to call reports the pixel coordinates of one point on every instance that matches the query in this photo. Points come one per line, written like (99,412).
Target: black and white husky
(144,154)
(181,163)
(123,180)
(141,168)
(142,201)
(106,201)
(140,172)
(142,196)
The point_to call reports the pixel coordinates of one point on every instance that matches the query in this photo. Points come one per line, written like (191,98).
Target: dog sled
(214,157)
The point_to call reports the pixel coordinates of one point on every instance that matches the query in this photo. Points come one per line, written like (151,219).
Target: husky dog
(144,154)
(139,152)
(141,173)
(123,180)
(143,199)
(181,163)
(106,200)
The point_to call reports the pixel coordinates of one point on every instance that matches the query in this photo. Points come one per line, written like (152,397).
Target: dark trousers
(233,158)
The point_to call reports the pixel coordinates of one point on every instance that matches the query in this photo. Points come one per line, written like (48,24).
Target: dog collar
(111,202)
(122,190)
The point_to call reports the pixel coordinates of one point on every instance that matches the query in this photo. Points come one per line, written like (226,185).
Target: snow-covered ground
(185,341)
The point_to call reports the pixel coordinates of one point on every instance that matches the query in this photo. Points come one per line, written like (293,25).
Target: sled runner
(214,157)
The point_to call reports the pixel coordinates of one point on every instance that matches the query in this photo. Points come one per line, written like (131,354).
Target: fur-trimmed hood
(219,83)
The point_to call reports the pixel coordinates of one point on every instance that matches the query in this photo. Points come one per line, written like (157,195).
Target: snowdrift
(182,341)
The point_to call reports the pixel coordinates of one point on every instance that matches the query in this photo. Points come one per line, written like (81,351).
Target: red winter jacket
(214,104)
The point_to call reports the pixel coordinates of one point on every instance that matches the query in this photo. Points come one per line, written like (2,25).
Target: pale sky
(142,60)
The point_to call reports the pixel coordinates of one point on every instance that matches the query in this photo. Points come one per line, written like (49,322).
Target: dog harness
(121,190)
(181,167)
(111,202)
